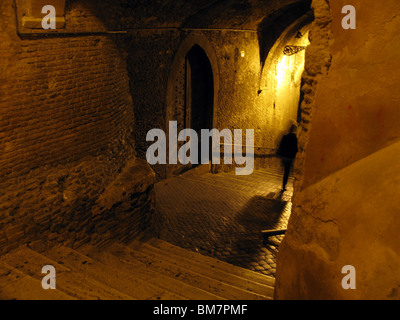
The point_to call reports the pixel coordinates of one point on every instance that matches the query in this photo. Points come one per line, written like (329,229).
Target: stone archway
(193,88)
(282,73)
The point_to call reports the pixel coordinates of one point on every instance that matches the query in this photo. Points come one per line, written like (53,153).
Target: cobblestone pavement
(221,215)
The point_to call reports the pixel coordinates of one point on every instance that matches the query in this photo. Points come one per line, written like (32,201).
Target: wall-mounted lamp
(291,50)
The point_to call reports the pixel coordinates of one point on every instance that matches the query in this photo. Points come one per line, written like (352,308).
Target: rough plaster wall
(348,218)
(343,211)
(356,107)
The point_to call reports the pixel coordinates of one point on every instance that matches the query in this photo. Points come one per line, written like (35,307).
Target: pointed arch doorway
(193,91)
(199,92)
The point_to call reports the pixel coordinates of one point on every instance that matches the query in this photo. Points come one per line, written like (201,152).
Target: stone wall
(67,123)
(150,55)
(343,209)
(239,103)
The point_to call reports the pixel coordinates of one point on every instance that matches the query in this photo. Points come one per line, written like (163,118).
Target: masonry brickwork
(66,117)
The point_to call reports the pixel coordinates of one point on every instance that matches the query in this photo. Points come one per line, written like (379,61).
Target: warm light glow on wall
(290,67)
(284,70)
(288,72)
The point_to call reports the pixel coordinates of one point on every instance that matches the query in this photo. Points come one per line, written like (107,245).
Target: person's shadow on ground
(260,213)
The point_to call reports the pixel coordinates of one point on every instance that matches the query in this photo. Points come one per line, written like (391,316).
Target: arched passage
(282,75)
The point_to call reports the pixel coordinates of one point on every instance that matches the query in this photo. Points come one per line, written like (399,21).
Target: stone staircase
(151,270)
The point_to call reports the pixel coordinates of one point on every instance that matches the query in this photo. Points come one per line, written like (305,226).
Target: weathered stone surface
(59,207)
(135,178)
(125,209)
(343,211)
(345,219)
(354,111)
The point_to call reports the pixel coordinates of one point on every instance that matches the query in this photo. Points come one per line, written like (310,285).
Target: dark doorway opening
(198,104)
(199,92)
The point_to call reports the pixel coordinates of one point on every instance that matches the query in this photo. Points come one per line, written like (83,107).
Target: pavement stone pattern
(221,215)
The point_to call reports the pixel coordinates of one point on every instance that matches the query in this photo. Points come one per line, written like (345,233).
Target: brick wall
(66,129)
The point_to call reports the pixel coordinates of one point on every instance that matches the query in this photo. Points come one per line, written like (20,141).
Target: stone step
(150,270)
(201,275)
(15,285)
(119,258)
(126,282)
(75,284)
(213,268)
(212,262)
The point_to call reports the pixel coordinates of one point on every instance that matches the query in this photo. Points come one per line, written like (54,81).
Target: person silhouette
(287,151)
